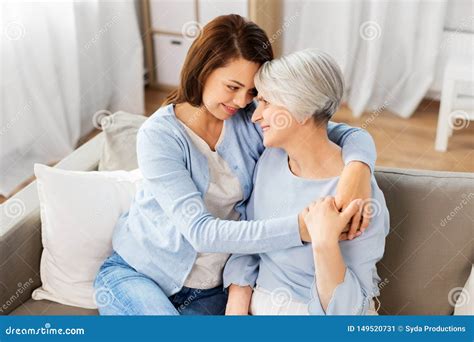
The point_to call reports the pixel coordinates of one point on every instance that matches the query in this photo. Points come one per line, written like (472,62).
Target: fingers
(339,202)
(346,228)
(365,220)
(353,211)
(331,202)
(355,224)
(351,215)
(305,211)
(343,237)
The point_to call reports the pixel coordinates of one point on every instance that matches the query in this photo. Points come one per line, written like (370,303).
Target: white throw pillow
(464,297)
(78,215)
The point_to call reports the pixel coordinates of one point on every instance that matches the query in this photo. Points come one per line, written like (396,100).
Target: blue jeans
(121,290)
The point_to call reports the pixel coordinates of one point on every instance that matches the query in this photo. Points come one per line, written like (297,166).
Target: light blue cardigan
(168,223)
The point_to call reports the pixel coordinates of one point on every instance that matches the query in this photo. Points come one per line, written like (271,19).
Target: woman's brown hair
(222,40)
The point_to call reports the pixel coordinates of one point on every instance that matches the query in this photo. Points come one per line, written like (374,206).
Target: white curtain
(61,62)
(386,49)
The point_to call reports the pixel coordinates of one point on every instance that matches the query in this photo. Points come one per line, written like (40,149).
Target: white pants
(274,303)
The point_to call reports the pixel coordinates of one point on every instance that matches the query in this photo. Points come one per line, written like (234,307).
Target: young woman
(197,155)
(325,276)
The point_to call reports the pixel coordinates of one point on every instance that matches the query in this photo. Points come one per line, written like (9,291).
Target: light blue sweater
(278,192)
(168,224)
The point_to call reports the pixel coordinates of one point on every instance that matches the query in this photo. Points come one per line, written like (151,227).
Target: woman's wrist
(325,245)
(239,300)
(239,295)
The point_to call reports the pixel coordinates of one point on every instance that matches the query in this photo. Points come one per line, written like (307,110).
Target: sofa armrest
(20,231)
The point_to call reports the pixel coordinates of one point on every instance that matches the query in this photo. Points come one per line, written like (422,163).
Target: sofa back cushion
(429,250)
(119,151)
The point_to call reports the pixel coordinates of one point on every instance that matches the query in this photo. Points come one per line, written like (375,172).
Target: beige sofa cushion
(119,151)
(429,250)
(48,308)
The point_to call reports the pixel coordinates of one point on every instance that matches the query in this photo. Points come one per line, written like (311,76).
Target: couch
(429,250)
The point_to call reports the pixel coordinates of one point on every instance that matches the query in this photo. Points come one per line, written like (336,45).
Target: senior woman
(298,94)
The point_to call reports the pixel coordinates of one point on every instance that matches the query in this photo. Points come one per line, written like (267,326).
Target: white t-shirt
(279,302)
(221,197)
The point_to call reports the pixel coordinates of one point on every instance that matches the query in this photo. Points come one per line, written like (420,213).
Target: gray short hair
(308,83)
